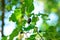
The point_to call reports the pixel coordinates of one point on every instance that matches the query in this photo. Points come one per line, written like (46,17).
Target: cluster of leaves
(18,17)
(25,8)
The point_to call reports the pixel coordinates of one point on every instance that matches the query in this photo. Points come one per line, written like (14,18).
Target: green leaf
(29,5)
(14,2)
(29,27)
(13,18)
(14,33)
(34,19)
(51,32)
(57,35)
(16,15)
(32,37)
(4,38)
(8,7)
(44,27)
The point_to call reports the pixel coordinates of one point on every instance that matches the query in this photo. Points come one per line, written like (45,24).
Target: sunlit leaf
(4,38)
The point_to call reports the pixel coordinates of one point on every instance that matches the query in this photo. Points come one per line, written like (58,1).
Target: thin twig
(40,36)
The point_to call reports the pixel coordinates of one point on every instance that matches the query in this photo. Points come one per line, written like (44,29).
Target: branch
(40,36)
(3,7)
